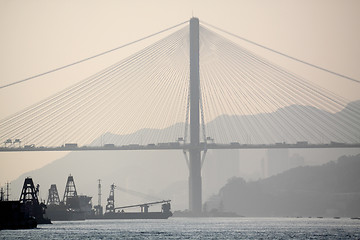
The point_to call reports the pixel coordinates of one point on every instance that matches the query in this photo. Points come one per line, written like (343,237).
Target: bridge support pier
(195,184)
(195,189)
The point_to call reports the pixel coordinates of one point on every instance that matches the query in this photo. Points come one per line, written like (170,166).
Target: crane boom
(138,194)
(144,204)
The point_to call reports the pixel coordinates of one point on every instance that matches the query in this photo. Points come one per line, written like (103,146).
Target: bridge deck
(171,146)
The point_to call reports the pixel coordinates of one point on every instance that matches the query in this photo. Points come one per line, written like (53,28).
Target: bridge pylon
(195,185)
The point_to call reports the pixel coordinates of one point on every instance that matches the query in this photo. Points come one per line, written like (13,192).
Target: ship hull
(134,215)
(13,216)
(60,213)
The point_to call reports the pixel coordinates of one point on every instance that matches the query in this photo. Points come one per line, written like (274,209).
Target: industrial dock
(28,212)
(79,207)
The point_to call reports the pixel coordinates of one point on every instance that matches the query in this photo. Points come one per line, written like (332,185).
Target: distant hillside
(329,190)
(297,123)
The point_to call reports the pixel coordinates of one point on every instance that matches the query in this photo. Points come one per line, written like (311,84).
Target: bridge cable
(233,67)
(94,56)
(305,92)
(283,54)
(68,99)
(96,92)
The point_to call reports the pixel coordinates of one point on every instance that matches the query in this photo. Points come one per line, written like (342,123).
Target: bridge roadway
(178,146)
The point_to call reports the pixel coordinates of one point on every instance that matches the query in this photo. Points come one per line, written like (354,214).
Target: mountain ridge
(301,122)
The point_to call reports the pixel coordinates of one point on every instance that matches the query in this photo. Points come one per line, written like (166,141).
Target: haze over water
(195,228)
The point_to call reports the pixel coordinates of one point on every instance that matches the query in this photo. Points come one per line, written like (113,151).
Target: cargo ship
(76,207)
(73,207)
(144,213)
(113,212)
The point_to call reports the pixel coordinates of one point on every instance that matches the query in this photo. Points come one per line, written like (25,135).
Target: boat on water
(13,216)
(73,207)
(62,213)
(113,212)
(26,213)
(120,213)
(137,215)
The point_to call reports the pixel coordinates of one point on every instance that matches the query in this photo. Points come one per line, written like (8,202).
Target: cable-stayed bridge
(192,90)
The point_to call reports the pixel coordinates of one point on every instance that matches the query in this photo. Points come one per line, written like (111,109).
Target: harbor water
(195,228)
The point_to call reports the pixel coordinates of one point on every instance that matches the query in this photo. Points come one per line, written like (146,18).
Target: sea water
(195,228)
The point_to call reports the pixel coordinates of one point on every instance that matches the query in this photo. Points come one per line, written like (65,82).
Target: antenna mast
(7,191)
(99,192)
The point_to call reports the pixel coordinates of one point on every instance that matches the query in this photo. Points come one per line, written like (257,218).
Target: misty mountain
(329,190)
(290,124)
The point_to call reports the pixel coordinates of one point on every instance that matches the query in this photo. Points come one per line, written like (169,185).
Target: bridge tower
(195,188)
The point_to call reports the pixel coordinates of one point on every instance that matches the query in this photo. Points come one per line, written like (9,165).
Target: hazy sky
(37,36)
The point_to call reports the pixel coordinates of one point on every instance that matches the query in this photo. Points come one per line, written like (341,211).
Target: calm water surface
(195,228)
